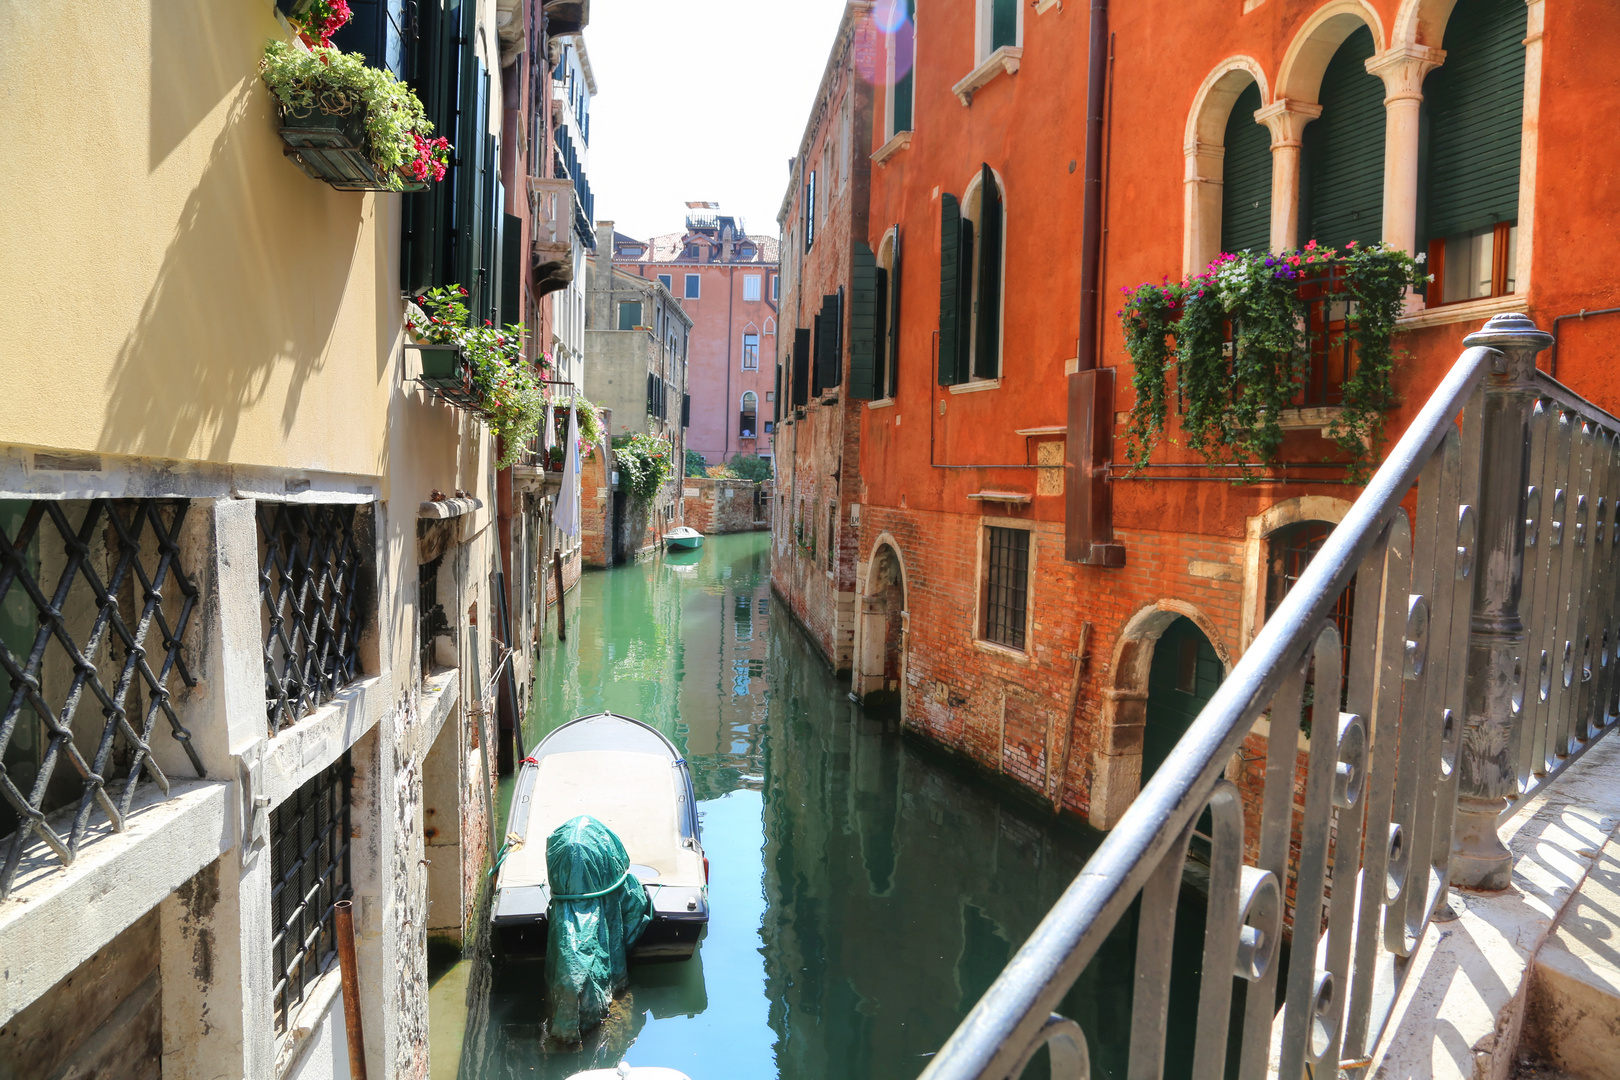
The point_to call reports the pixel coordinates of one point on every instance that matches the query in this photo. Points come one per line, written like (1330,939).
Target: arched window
(1475,111)
(745,422)
(770,327)
(1290,551)
(970,282)
(898,21)
(888,315)
(1246,180)
(1342,155)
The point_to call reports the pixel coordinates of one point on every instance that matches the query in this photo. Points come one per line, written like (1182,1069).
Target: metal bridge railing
(1438,730)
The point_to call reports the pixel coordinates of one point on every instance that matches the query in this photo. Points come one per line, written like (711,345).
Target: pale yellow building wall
(175,287)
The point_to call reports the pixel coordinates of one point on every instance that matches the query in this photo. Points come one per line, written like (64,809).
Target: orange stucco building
(1043,610)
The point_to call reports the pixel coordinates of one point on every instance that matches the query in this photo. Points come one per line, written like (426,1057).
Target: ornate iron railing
(309,574)
(82,588)
(1433,711)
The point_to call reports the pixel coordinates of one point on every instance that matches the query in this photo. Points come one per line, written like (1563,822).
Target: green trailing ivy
(644,462)
(1234,341)
(513,391)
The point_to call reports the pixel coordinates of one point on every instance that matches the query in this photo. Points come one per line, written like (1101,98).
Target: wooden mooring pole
(562,615)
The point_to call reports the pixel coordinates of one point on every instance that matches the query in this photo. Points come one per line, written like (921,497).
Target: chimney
(601,283)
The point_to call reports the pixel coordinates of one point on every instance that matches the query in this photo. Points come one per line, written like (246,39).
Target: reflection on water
(864,893)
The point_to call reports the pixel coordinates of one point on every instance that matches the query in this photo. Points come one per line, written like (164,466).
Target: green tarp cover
(598,910)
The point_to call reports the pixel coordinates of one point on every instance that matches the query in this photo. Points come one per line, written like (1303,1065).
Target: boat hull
(689,540)
(575,770)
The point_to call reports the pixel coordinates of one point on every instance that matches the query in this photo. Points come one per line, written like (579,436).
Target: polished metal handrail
(1439,654)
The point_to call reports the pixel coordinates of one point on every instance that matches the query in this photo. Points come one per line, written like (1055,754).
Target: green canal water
(864,890)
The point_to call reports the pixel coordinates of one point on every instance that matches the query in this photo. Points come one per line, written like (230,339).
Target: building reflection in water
(865,892)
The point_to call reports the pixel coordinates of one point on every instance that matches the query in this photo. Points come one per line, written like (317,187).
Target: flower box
(332,147)
(448,376)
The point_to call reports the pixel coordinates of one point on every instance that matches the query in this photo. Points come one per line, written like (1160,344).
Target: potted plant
(356,127)
(479,368)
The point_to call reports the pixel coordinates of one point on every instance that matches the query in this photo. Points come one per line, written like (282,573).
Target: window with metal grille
(309,867)
(94,604)
(1006,586)
(309,577)
(1291,550)
(430,618)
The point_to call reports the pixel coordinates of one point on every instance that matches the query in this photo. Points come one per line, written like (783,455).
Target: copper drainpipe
(349,971)
(1088,498)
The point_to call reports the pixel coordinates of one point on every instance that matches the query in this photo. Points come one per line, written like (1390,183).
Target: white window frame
(752,288)
(983,21)
(668,282)
(693,286)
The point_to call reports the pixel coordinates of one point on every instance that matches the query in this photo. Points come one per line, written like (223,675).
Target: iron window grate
(309,843)
(309,572)
(1007,587)
(118,558)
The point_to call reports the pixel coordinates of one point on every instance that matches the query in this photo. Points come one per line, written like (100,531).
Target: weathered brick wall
(1010,713)
(818,447)
(713,507)
(596,511)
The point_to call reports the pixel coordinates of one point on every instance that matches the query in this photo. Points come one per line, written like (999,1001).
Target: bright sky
(700,99)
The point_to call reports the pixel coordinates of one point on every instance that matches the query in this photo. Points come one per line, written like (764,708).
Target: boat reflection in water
(863,892)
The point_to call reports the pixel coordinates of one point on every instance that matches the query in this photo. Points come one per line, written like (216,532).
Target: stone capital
(1204,161)
(1286,118)
(1403,70)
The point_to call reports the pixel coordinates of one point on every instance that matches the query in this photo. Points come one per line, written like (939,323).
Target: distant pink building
(726,280)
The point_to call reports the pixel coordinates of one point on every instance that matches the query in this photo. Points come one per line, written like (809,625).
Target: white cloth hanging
(568,499)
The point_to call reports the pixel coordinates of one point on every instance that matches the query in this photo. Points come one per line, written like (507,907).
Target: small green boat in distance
(683,538)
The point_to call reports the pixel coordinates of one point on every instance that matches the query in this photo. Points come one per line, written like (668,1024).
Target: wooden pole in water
(349,972)
(562,615)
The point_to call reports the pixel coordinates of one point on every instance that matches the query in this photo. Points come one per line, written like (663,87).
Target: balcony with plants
(1258,345)
(480,369)
(354,126)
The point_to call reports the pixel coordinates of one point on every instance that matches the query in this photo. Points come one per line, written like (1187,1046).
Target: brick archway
(1116,771)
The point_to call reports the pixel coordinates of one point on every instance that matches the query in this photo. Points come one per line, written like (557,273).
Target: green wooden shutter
(834,303)
(1003,23)
(1476,119)
(1343,152)
(880,332)
(863,325)
(950,272)
(801,367)
(511,269)
(904,44)
(826,369)
(434,61)
(891,362)
(1246,183)
(987,347)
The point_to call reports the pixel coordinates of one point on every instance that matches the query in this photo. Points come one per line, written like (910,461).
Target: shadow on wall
(181,38)
(256,270)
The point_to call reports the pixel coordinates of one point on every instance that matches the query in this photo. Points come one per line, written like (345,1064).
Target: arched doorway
(1181,680)
(881,664)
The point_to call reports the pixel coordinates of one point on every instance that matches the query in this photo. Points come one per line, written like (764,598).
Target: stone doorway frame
(872,602)
(1116,766)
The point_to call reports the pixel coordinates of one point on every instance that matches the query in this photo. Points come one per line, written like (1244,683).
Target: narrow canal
(864,890)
